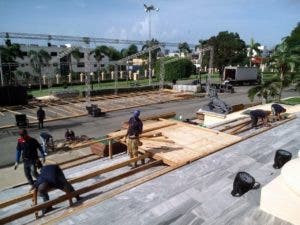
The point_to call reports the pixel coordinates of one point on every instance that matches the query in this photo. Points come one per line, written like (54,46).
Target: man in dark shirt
(41,115)
(135,128)
(259,114)
(51,176)
(27,147)
(69,135)
(277,110)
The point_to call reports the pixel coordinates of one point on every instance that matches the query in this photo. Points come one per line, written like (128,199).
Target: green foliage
(265,90)
(179,69)
(229,49)
(9,53)
(184,47)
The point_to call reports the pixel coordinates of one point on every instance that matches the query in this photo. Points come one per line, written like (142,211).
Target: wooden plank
(80,191)
(267,128)
(236,129)
(53,219)
(75,180)
(147,128)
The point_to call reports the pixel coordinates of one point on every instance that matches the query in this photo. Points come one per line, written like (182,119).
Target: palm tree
(99,55)
(282,60)
(76,55)
(253,48)
(38,60)
(265,90)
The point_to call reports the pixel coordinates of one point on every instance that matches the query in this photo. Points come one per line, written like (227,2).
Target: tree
(253,47)
(282,60)
(181,68)
(9,53)
(184,48)
(229,49)
(38,60)
(265,90)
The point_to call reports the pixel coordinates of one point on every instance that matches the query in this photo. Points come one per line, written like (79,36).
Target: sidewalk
(11,177)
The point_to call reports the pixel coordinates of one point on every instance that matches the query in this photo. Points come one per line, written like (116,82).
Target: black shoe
(78,198)
(44,211)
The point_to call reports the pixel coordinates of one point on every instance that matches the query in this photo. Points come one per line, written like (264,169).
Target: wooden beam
(75,180)
(80,191)
(110,149)
(53,219)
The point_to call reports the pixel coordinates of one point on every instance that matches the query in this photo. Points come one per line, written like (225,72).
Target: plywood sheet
(190,143)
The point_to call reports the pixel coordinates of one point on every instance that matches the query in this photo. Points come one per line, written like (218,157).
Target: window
(80,64)
(55,64)
(95,65)
(53,53)
(22,65)
(24,54)
(102,65)
(81,55)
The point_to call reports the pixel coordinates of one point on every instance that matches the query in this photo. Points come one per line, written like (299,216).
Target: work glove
(16,165)
(43,160)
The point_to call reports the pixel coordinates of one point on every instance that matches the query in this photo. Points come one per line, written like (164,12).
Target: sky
(267,21)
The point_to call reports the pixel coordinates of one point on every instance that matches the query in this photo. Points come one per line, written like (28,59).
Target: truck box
(241,75)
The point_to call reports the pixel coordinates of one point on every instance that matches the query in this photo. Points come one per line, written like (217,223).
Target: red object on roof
(257,60)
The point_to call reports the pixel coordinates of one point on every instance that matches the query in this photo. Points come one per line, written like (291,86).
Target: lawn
(98,86)
(292,101)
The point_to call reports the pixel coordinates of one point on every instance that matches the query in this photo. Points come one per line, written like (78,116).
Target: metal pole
(149,66)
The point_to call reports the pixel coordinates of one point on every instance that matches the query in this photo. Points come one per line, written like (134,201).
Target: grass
(80,88)
(291,101)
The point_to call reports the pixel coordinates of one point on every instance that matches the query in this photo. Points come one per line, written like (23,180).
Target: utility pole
(148,10)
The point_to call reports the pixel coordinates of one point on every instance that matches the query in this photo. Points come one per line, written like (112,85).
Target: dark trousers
(61,184)
(254,121)
(30,170)
(41,123)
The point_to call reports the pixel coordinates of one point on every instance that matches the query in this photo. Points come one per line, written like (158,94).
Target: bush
(182,68)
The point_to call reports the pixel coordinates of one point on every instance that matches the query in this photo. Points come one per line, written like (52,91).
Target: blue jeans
(30,170)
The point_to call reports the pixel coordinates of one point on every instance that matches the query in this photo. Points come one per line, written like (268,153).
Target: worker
(46,139)
(51,176)
(259,114)
(41,115)
(27,146)
(135,128)
(69,135)
(277,110)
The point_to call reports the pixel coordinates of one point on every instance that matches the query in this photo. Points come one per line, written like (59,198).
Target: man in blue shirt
(135,128)
(51,176)
(27,147)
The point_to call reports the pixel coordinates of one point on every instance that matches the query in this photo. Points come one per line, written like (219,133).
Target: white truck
(237,75)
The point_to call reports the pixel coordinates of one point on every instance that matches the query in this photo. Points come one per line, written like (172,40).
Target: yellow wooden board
(190,143)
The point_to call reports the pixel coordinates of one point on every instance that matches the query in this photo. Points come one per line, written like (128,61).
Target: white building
(60,61)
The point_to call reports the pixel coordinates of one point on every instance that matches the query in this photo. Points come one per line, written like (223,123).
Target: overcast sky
(267,21)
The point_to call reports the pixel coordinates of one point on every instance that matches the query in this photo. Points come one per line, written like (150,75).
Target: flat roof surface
(199,193)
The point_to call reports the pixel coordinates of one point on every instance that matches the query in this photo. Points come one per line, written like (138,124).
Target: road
(98,127)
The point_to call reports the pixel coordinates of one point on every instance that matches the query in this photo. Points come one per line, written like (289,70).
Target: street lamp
(148,10)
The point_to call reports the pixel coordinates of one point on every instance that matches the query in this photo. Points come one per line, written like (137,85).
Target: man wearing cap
(277,110)
(27,147)
(134,130)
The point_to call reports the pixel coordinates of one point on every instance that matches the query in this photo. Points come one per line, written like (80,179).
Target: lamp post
(148,10)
